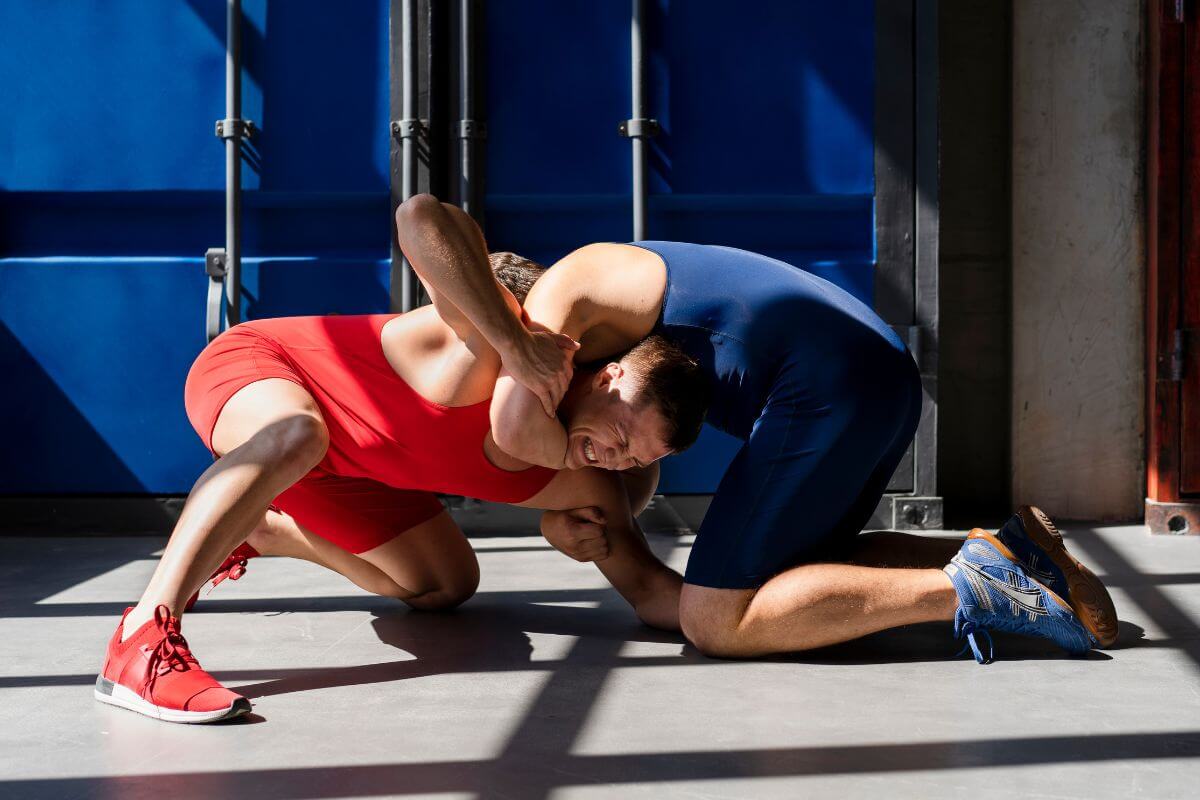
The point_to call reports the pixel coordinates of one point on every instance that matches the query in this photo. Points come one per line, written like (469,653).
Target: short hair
(673,381)
(515,273)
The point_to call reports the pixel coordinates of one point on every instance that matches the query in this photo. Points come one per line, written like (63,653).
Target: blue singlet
(822,391)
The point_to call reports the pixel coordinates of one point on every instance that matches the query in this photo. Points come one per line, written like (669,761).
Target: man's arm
(449,255)
(634,571)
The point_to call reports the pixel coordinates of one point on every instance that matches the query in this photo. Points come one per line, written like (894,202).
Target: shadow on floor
(514,775)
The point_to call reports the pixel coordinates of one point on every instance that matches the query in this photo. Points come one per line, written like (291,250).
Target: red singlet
(390,449)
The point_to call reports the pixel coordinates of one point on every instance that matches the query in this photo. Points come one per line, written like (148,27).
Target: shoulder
(618,286)
(441,367)
(609,261)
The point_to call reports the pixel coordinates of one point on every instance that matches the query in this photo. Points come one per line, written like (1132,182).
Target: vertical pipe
(638,142)
(233,164)
(409,291)
(466,84)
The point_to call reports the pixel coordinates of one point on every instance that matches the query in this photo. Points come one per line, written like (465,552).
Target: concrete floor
(545,685)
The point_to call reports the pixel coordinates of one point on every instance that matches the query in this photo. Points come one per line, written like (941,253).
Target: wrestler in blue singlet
(822,391)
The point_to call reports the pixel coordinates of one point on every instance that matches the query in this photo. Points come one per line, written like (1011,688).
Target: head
(515,273)
(631,412)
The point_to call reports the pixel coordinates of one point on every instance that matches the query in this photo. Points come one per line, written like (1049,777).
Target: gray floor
(544,685)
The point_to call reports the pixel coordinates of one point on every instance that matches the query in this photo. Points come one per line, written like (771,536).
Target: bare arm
(449,255)
(634,571)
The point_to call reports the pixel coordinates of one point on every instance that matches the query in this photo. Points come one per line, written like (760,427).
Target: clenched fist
(578,533)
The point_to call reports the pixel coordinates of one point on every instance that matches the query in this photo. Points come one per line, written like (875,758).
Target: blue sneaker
(1039,549)
(996,594)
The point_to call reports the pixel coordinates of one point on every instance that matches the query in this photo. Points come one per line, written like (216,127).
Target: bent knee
(300,440)
(714,641)
(446,593)
(711,619)
(441,599)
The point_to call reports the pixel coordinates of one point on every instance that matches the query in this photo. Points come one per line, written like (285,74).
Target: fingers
(590,513)
(566,342)
(588,544)
(591,550)
(549,403)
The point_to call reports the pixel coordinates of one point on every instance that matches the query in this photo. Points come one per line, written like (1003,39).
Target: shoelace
(232,568)
(171,653)
(973,634)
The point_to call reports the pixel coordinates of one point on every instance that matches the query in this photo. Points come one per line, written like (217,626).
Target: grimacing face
(609,427)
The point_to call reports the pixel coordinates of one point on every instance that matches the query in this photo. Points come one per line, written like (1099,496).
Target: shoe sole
(114,694)
(1090,601)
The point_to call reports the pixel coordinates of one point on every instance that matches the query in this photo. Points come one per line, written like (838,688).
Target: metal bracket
(408,128)
(236,129)
(214,263)
(214,267)
(639,128)
(472,129)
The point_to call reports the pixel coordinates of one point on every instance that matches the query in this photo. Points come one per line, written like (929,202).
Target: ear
(609,373)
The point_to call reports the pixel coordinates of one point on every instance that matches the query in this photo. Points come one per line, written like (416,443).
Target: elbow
(413,212)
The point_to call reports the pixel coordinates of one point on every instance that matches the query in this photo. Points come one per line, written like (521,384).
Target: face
(608,428)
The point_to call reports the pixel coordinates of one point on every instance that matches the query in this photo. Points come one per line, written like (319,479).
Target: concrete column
(1078,259)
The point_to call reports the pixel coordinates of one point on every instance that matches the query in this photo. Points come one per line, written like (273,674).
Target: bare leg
(428,566)
(281,535)
(895,549)
(813,606)
(270,434)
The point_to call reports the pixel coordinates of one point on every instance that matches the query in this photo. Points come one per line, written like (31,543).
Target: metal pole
(233,164)
(409,290)
(639,145)
(468,129)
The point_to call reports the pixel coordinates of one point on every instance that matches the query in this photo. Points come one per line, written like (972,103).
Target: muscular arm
(447,251)
(634,571)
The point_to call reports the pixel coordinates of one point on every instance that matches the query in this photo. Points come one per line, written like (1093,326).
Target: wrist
(509,335)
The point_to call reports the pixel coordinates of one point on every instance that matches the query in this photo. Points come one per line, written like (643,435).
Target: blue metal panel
(114,184)
(767,138)
(99,349)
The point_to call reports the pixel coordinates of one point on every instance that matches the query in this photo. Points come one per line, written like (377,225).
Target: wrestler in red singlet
(390,449)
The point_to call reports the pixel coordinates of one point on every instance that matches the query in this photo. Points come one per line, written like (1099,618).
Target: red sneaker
(233,567)
(152,672)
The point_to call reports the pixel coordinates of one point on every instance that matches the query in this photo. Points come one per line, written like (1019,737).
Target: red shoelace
(232,569)
(171,653)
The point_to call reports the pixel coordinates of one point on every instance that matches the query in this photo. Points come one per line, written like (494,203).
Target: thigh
(804,477)
(406,534)
(433,559)
(257,407)
(241,384)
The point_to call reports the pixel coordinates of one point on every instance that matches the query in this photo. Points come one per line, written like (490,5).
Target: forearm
(450,256)
(650,586)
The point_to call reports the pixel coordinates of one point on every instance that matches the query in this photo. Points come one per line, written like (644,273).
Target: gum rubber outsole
(117,695)
(1089,599)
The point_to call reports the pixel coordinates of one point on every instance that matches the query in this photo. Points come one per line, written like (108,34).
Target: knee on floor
(714,638)
(442,599)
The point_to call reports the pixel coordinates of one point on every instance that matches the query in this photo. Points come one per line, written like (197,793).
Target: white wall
(1078,259)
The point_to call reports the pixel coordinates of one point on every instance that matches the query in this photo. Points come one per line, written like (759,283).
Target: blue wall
(113,189)
(112,183)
